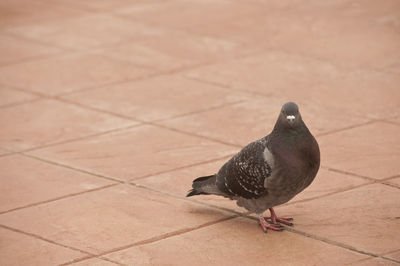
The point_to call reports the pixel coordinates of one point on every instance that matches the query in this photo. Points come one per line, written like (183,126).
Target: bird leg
(275,219)
(266,225)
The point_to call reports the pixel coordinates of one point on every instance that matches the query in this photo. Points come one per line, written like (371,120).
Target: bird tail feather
(204,185)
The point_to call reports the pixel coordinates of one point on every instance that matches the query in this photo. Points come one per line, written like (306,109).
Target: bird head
(289,116)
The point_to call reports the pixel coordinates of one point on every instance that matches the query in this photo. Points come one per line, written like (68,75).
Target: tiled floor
(110,108)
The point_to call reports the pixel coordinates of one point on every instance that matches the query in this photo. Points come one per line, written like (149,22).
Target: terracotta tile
(136,152)
(366,150)
(95,5)
(253,119)
(364,218)
(141,55)
(350,34)
(368,93)
(223,242)
(94,262)
(27,181)
(327,182)
(376,261)
(15,50)
(395,119)
(10,96)
(4,152)
(179,182)
(171,14)
(175,49)
(110,218)
(47,121)
(20,249)
(86,32)
(268,73)
(24,12)
(395,181)
(393,255)
(157,98)
(198,48)
(68,73)
(345,32)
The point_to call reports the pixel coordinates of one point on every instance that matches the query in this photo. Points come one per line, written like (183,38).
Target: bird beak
(290,118)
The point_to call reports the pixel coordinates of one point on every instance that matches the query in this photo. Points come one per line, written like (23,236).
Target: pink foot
(266,225)
(275,219)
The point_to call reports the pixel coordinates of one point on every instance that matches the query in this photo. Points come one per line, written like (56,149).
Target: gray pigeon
(269,171)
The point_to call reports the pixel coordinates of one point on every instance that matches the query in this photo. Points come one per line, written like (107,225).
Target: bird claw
(266,225)
(286,221)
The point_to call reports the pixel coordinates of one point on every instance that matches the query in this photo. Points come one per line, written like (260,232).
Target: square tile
(269,73)
(253,119)
(157,98)
(94,262)
(86,32)
(239,242)
(364,218)
(175,50)
(15,50)
(10,97)
(14,13)
(344,32)
(142,55)
(327,182)
(93,5)
(171,14)
(179,182)
(369,93)
(375,262)
(111,218)
(135,152)
(394,181)
(67,73)
(28,181)
(4,152)
(367,150)
(20,249)
(393,255)
(47,122)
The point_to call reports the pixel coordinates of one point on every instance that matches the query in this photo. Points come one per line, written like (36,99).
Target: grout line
(59,198)
(82,137)
(44,239)
(19,103)
(230,87)
(194,135)
(88,257)
(155,73)
(181,167)
(72,168)
(154,239)
(331,242)
(328,194)
(315,237)
(168,235)
(390,122)
(373,180)
(348,173)
(66,101)
(347,128)
(199,111)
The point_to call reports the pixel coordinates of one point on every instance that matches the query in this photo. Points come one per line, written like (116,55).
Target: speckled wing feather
(244,174)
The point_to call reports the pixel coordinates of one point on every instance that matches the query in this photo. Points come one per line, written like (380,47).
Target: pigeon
(268,172)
